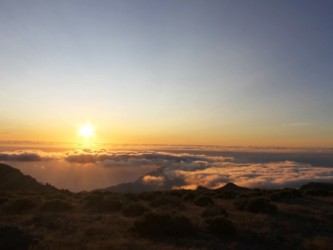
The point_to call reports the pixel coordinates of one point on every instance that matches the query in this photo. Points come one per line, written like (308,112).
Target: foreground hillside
(227,218)
(12,179)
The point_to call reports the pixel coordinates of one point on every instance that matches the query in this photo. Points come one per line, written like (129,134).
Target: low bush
(20,205)
(316,192)
(201,189)
(48,221)
(167,201)
(162,224)
(203,201)
(226,195)
(255,205)
(56,206)
(130,197)
(102,203)
(189,196)
(14,238)
(318,242)
(175,193)
(285,194)
(221,227)
(134,209)
(212,211)
(149,196)
(3,200)
(57,196)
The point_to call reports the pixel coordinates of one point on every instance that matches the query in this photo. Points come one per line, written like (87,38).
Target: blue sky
(211,72)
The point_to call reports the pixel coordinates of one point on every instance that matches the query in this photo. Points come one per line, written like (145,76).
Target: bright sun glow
(86,131)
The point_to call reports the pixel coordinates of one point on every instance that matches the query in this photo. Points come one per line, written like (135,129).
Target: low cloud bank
(271,175)
(21,156)
(135,158)
(191,169)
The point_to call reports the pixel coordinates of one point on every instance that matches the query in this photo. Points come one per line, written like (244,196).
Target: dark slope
(318,185)
(12,179)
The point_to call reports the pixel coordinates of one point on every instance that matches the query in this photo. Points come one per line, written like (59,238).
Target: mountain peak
(232,187)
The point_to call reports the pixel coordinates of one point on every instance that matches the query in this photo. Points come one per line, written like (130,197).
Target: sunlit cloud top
(87,169)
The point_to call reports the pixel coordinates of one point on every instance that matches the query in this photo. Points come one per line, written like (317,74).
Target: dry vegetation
(179,219)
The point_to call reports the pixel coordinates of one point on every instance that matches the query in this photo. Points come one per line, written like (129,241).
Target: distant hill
(232,187)
(12,179)
(318,185)
(140,186)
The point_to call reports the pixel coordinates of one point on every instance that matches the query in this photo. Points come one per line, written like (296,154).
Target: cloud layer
(270,175)
(20,156)
(198,168)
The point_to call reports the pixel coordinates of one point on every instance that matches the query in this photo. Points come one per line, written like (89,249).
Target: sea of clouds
(89,169)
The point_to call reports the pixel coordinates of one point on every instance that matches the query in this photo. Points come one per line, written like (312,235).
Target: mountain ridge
(12,179)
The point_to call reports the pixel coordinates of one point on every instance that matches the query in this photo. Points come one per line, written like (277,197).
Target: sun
(86,131)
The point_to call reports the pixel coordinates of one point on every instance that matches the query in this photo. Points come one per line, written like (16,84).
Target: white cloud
(191,169)
(153,180)
(270,175)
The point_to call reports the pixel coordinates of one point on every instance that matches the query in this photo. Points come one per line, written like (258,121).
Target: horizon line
(164,144)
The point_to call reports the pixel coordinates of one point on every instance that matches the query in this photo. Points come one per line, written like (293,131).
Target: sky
(168,72)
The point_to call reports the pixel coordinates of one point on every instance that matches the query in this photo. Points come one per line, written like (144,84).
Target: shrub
(240,204)
(134,209)
(3,200)
(57,196)
(260,205)
(201,188)
(175,193)
(317,185)
(149,196)
(92,198)
(130,196)
(102,203)
(316,192)
(221,227)
(15,238)
(49,221)
(285,194)
(167,201)
(212,211)
(189,196)
(162,224)
(319,242)
(203,201)
(226,195)
(56,206)
(255,205)
(20,205)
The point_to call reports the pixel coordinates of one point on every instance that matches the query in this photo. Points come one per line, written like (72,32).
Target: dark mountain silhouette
(232,187)
(140,185)
(318,185)
(12,179)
